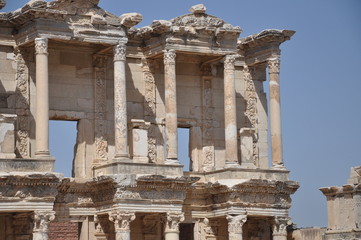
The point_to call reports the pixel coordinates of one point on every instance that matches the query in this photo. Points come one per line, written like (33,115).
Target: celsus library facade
(130,89)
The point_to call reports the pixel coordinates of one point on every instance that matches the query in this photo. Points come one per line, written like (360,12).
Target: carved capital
(121,220)
(120,52)
(169,57)
(235,223)
(172,221)
(280,226)
(41,46)
(274,65)
(229,62)
(42,219)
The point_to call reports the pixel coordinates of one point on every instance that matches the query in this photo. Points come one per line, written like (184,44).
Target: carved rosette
(41,46)
(274,65)
(229,62)
(280,226)
(235,225)
(121,220)
(172,221)
(120,52)
(101,143)
(169,57)
(41,220)
(251,107)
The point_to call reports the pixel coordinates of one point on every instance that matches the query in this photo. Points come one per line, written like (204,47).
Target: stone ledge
(27,165)
(139,169)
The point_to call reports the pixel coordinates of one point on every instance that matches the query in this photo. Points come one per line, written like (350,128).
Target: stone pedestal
(140,140)
(247,136)
(120,103)
(275,112)
(235,225)
(42,98)
(230,119)
(122,224)
(41,224)
(171,121)
(172,221)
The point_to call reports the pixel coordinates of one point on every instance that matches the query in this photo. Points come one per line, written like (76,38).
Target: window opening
(62,139)
(183,148)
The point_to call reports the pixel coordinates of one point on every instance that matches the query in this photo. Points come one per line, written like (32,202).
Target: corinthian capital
(280,225)
(229,62)
(42,219)
(169,57)
(120,52)
(274,65)
(121,220)
(41,45)
(235,223)
(172,221)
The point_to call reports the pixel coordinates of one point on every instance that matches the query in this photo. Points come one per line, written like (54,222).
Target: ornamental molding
(120,52)
(274,65)
(121,220)
(172,221)
(41,46)
(169,57)
(41,220)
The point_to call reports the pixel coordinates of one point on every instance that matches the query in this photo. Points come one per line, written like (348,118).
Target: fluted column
(235,226)
(171,121)
(275,112)
(121,222)
(280,228)
(42,97)
(172,221)
(120,103)
(41,224)
(230,120)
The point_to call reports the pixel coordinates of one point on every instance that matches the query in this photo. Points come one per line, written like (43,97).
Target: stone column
(172,220)
(122,224)
(230,120)
(120,103)
(42,97)
(275,112)
(280,228)
(235,225)
(171,122)
(41,224)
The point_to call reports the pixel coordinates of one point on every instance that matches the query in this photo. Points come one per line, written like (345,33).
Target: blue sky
(320,83)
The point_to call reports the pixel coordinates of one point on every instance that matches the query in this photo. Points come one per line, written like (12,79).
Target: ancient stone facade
(130,89)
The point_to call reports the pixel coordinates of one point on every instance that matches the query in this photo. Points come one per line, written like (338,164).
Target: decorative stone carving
(41,46)
(274,65)
(172,221)
(101,143)
(121,220)
(130,19)
(126,194)
(120,52)
(235,225)
(229,62)
(42,220)
(280,227)
(169,57)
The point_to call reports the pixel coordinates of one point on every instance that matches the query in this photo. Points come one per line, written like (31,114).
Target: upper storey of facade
(130,89)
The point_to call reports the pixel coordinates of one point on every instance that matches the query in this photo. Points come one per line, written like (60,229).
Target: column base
(122,158)
(232,165)
(171,161)
(44,155)
(279,167)
(248,165)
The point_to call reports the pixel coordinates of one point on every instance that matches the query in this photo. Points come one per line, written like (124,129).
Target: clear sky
(320,83)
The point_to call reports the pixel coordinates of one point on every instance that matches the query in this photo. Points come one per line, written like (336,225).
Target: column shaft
(275,112)
(230,119)
(171,121)
(42,97)
(120,103)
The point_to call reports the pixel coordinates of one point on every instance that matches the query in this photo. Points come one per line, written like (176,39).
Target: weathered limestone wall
(63,230)
(307,234)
